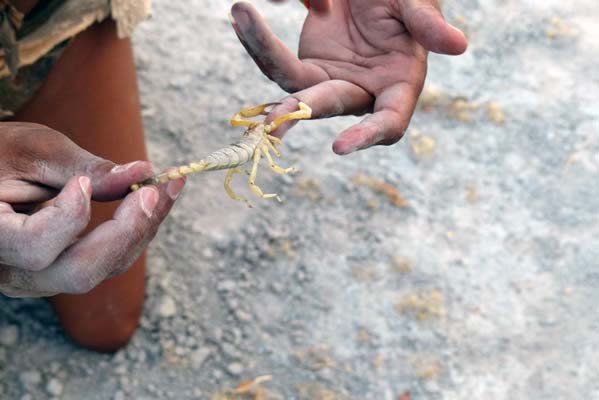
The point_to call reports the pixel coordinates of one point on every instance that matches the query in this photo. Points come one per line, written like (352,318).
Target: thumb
(426,24)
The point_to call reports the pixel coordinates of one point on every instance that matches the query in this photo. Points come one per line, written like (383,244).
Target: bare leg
(91,96)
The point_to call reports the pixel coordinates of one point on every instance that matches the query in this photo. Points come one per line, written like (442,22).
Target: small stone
(208,253)
(432,386)
(54,387)
(277,287)
(121,369)
(235,368)
(9,335)
(167,307)
(144,322)
(119,357)
(124,381)
(54,367)
(242,316)
(119,395)
(141,357)
(226,286)
(30,377)
(229,350)
(199,356)
(165,282)
(232,303)
(148,112)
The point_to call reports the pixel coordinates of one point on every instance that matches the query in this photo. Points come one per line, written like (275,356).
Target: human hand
(355,57)
(48,176)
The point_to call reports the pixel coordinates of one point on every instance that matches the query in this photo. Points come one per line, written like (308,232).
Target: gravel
(495,292)
(9,335)
(54,387)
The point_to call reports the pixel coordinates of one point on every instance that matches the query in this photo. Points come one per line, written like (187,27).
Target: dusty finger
(34,242)
(327,99)
(113,246)
(271,55)
(16,191)
(426,24)
(392,113)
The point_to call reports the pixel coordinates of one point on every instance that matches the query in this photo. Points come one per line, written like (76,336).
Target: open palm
(355,57)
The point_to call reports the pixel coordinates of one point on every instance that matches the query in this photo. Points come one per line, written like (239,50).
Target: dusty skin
(499,229)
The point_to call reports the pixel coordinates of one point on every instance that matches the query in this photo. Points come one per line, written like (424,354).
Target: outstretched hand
(355,57)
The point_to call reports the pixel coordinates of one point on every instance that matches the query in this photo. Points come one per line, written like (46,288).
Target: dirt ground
(462,263)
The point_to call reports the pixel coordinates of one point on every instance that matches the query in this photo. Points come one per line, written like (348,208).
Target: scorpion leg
(272,145)
(228,188)
(241,118)
(274,140)
(274,167)
(253,187)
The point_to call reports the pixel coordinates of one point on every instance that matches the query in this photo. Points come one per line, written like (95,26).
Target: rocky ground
(461,263)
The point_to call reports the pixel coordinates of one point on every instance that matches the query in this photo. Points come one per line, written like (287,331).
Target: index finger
(32,242)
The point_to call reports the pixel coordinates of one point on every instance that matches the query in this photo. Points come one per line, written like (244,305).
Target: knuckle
(80,283)
(34,260)
(136,234)
(120,269)
(34,257)
(80,213)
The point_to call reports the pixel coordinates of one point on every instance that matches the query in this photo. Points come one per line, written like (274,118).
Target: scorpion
(255,143)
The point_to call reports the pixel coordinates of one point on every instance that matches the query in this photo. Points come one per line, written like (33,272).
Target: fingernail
(344,150)
(456,29)
(232,19)
(174,188)
(242,20)
(117,169)
(85,185)
(149,199)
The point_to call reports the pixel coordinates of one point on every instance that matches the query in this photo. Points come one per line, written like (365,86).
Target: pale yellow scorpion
(256,142)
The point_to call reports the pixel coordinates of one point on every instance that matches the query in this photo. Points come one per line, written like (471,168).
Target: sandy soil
(461,263)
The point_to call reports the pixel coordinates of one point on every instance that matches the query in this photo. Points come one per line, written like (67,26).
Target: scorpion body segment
(256,142)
